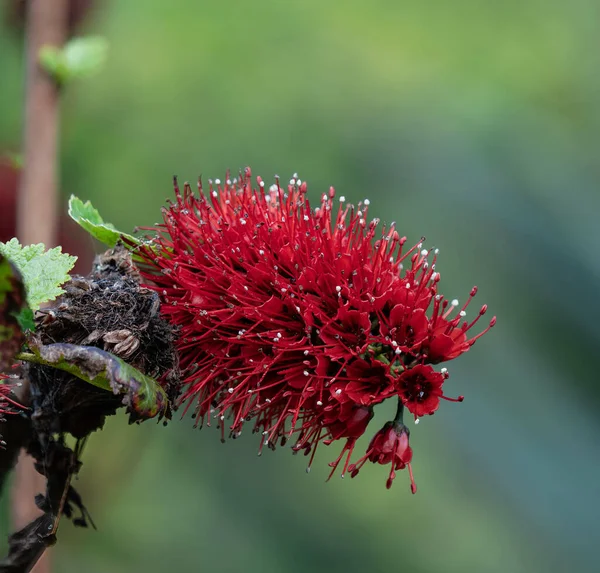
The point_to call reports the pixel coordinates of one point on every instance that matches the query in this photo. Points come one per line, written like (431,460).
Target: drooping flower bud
(389,446)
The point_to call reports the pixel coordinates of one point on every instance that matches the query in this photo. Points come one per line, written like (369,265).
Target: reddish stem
(46,24)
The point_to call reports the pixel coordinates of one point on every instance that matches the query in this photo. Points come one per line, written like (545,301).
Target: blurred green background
(474,123)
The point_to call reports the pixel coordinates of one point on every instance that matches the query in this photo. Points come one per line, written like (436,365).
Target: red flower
(420,389)
(8,405)
(293,319)
(389,446)
(448,338)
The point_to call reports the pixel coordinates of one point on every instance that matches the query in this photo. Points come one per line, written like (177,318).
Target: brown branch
(46,24)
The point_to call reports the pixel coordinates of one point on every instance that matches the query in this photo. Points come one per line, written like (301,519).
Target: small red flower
(389,446)
(8,405)
(298,320)
(420,389)
(447,337)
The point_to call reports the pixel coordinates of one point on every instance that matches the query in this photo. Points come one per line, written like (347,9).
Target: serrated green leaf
(88,217)
(43,271)
(144,397)
(79,57)
(12,302)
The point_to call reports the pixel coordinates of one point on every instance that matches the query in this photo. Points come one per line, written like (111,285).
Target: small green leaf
(79,57)
(52,61)
(43,271)
(12,303)
(85,56)
(88,217)
(143,396)
(25,319)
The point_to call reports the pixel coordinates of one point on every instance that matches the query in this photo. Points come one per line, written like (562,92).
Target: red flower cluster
(7,404)
(300,320)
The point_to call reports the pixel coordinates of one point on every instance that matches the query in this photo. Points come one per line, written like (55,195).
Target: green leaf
(79,57)
(12,303)
(88,217)
(85,56)
(25,319)
(143,396)
(43,271)
(52,60)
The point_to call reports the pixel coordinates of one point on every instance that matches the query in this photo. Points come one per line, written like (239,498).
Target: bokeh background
(474,123)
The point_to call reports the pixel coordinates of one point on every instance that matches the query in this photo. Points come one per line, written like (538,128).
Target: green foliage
(88,217)
(43,271)
(143,395)
(12,305)
(6,276)
(78,58)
